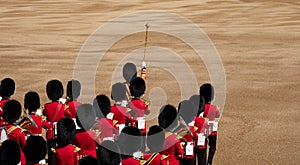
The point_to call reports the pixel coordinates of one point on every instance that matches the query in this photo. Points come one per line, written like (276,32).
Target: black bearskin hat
(118,92)
(66,131)
(54,90)
(130,140)
(10,153)
(7,87)
(137,87)
(186,110)
(85,116)
(198,102)
(35,149)
(12,111)
(155,138)
(207,91)
(129,72)
(32,101)
(88,160)
(167,117)
(108,153)
(73,89)
(101,106)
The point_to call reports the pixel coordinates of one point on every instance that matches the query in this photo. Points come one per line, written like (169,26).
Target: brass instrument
(26,121)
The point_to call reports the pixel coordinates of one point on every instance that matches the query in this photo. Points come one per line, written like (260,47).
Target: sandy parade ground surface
(257,41)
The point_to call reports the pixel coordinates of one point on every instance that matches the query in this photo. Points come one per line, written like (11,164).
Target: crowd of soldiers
(104,132)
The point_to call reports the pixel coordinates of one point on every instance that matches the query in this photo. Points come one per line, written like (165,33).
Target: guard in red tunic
(104,127)
(73,92)
(139,108)
(32,104)
(155,143)
(129,73)
(168,120)
(12,112)
(187,113)
(10,152)
(65,152)
(35,150)
(54,111)
(85,120)
(130,141)
(200,128)
(211,112)
(121,117)
(7,89)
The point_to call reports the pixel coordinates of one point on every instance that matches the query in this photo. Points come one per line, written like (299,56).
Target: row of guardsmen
(113,134)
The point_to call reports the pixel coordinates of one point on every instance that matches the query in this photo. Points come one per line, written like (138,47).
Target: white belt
(109,138)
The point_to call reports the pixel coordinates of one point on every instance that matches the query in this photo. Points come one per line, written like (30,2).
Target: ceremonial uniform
(201,127)
(120,116)
(71,108)
(85,140)
(188,144)
(66,155)
(17,134)
(41,122)
(106,130)
(139,110)
(172,149)
(155,159)
(130,161)
(2,102)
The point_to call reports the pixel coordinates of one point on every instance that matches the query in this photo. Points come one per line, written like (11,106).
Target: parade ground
(257,43)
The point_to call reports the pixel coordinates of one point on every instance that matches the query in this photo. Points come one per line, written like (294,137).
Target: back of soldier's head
(167,117)
(137,87)
(108,153)
(155,138)
(12,111)
(101,106)
(130,140)
(207,91)
(54,90)
(7,87)
(73,89)
(198,102)
(10,153)
(35,149)
(32,101)
(129,72)
(118,92)
(66,131)
(186,110)
(88,160)
(85,116)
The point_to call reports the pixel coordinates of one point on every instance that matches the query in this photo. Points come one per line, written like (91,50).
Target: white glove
(143,64)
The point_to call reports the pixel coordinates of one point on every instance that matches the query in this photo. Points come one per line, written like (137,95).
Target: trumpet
(26,121)
(181,129)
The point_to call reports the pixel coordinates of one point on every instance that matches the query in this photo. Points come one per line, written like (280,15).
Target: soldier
(119,109)
(105,129)
(187,113)
(12,112)
(35,150)
(129,73)
(155,143)
(32,104)
(168,120)
(211,112)
(130,141)
(10,153)
(54,111)
(7,89)
(73,92)
(65,152)
(85,120)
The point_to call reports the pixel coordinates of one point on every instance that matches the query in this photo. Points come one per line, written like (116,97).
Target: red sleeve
(179,150)
(217,113)
(22,140)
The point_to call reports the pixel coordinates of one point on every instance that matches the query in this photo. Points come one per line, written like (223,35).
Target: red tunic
(158,159)
(85,141)
(72,108)
(139,109)
(172,149)
(200,126)
(66,155)
(120,115)
(40,122)
(2,102)
(106,128)
(211,112)
(54,111)
(130,161)
(17,134)
(189,141)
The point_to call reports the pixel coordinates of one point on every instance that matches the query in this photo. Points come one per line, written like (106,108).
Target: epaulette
(128,110)
(115,122)
(53,150)
(147,103)
(77,149)
(44,118)
(163,157)
(195,128)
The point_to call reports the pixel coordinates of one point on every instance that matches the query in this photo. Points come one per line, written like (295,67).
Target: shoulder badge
(163,157)
(53,150)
